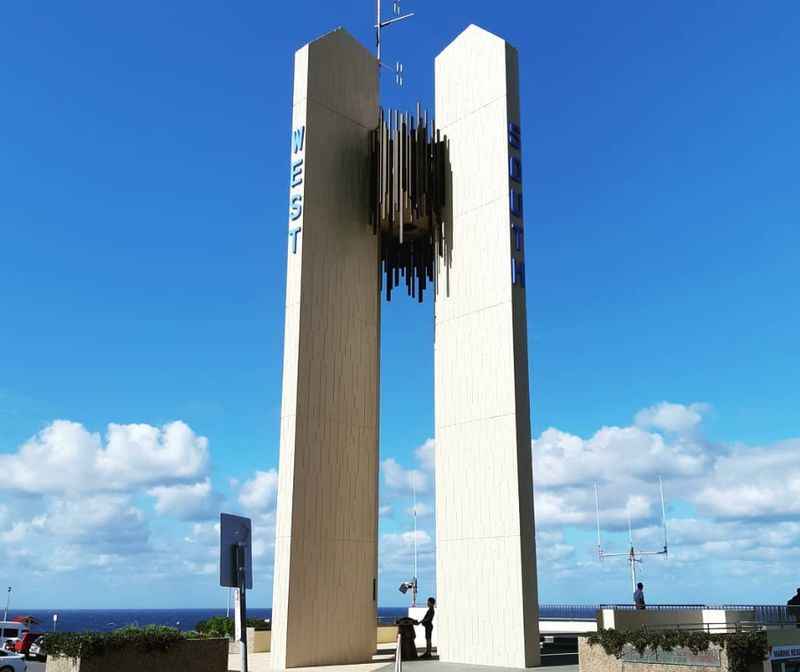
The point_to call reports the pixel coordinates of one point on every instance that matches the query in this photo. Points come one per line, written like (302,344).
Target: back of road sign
(234,531)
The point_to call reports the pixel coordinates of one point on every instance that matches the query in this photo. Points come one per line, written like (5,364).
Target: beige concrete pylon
(324,608)
(485,550)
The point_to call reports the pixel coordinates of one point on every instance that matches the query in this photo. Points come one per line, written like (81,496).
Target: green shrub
(222,626)
(87,644)
(259,624)
(216,626)
(743,648)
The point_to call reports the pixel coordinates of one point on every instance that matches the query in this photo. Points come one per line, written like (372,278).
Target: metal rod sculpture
(409,184)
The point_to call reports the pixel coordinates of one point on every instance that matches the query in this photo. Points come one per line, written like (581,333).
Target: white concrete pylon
(324,608)
(485,550)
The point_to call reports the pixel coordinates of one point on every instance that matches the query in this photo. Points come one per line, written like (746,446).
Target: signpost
(236,570)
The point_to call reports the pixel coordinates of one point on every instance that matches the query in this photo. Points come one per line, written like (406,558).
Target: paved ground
(556,658)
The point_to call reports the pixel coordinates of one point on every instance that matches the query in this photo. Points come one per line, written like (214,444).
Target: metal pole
(8,601)
(414,491)
(663,512)
(398,656)
(597,510)
(378,34)
(240,568)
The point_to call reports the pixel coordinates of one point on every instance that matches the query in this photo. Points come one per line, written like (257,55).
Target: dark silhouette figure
(427,623)
(638,596)
(408,647)
(793,607)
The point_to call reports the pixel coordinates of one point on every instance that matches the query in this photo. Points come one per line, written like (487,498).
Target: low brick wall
(192,655)
(387,634)
(595,659)
(258,641)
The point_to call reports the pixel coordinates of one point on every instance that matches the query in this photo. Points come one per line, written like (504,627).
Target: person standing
(793,607)
(638,596)
(427,623)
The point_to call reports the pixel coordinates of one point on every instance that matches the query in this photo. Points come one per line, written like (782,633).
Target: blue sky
(143,154)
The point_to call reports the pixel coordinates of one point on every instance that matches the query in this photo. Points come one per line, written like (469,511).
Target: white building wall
(486,563)
(324,609)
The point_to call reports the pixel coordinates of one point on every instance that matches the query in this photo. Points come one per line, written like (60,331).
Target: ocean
(105,620)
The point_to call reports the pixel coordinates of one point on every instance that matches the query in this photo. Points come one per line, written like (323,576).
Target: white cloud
(669,417)
(92,531)
(260,492)
(611,455)
(400,479)
(424,510)
(426,453)
(66,458)
(753,483)
(396,551)
(191,501)
(736,507)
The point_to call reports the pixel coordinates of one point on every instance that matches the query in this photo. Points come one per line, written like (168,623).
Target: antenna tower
(380,24)
(634,555)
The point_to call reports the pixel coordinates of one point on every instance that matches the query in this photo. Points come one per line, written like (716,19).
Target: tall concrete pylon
(326,548)
(485,546)
(325,580)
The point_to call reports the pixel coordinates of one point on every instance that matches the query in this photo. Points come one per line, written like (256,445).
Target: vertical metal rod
(597,509)
(8,601)
(633,552)
(414,495)
(663,511)
(398,656)
(378,35)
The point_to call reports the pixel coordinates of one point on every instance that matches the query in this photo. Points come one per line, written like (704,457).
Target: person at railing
(427,623)
(638,596)
(793,607)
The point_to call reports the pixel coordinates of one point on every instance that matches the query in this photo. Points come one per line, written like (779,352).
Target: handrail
(398,657)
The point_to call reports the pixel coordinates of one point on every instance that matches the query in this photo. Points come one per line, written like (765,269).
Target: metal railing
(398,657)
(763,613)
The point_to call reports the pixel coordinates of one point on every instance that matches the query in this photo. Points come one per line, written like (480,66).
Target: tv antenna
(634,555)
(380,24)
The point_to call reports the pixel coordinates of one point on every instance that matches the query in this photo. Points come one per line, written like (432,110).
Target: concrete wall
(387,634)
(197,655)
(715,620)
(484,492)
(595,659)
(324,611)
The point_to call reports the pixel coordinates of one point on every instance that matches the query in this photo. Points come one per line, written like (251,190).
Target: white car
(12,662)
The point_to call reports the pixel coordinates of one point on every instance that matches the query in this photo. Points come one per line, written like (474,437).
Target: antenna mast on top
(634,555)
(380,24)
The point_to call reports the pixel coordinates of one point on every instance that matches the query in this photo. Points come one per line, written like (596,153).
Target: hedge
(222,626)
(87,644)
(744,648)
